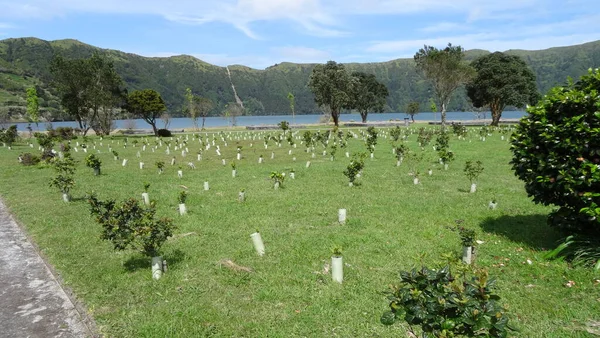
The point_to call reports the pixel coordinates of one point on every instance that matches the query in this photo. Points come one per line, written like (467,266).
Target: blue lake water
(180,123)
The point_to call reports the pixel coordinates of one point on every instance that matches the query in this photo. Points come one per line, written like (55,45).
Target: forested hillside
(25,62)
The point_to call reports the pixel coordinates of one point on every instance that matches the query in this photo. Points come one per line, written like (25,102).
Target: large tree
(232,111)
(368,94)
(447,71)
(332,86)
(198,106)
(88,87)
(502,80)
(146,104)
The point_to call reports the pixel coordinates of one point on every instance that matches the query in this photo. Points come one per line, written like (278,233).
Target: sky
(261,33)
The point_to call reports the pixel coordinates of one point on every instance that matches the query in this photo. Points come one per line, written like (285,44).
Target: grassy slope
(393,225)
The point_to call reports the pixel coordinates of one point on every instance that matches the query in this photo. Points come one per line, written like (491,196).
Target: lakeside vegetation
(25,62)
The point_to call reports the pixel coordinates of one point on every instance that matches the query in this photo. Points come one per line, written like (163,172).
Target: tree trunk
(496,113)
(203,121)
(336,117)
(443,116)
(154,128)
(363,115)
(412,116)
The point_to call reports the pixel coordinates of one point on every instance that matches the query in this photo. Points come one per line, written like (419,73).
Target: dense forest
(24,62)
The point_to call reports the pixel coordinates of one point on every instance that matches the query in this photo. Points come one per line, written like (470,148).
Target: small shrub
(277,178)
(28,159)
(473,170)
(371,139)
(44,140)
(65,169)
(444,306)
(92,161)
(459,130)
(131,225)
(146,186)
(10,135)
(424,137)
(164,133)
(62,133)
(182,197)
(161,166)
(395,134)
(354,168)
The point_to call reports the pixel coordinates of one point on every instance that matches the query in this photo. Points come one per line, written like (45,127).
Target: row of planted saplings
(130,225)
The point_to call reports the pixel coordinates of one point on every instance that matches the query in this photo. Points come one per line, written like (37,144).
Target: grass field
(392,225)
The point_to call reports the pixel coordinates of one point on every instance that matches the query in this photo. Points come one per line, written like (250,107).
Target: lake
(180,123)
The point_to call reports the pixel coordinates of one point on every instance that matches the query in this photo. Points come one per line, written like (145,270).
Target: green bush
(92,161)
(63,133)
(444,305)
(28,159)
(163,133)
(130,225)
(556,152)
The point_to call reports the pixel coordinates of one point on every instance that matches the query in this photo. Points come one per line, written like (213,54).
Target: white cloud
(314,17)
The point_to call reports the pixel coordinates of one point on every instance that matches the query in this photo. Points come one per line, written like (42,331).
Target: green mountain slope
(25,62)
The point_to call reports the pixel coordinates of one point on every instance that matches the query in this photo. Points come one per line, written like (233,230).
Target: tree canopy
(88,87)
(412,109)
(331,84)
(446,70)
(368,94)
(502,80)
(147,104)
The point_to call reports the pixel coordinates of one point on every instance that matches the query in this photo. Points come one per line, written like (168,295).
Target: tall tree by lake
(447,71)
(502,80)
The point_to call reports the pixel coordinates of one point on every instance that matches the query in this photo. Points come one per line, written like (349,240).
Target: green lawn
(392,225)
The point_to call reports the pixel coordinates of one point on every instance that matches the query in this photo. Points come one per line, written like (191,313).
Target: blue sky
(260,33)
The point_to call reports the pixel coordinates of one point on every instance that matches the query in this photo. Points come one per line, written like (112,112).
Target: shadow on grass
(142,262)
(530,230)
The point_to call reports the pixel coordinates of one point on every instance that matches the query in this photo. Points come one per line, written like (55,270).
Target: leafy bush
(395,133)
(473,170)
(63,133)
(442,144)
(459,130)
(131,225)
(284,125)
(277,178)
(28,159)
(445,306)
(164,133)
(161,166)
(92,161)
(371,139)
(424,137)
(182,197)
(44,140)
(65,169)
(9,136)
(556,152)
(354,168)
